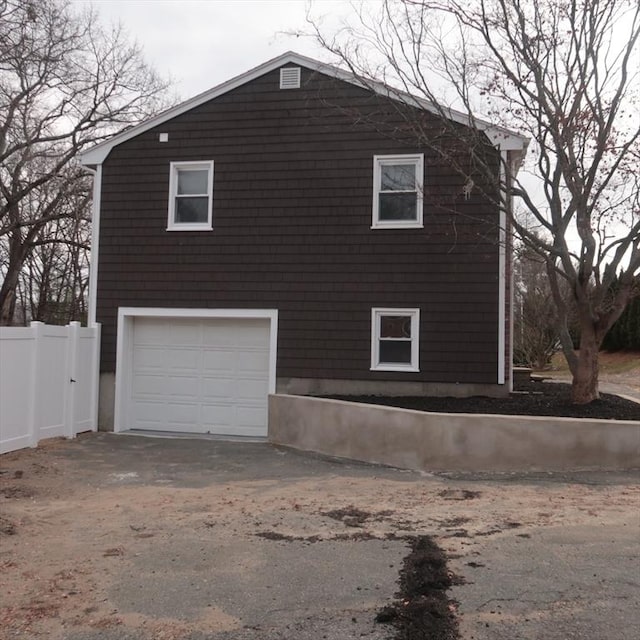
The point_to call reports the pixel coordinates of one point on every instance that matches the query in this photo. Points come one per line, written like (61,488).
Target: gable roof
(503,138)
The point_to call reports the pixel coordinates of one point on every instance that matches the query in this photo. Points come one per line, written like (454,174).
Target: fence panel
(84,415)
(51,380)
(16,367)
(48,382)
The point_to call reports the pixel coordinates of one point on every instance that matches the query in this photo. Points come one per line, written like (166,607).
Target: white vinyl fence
(48,382)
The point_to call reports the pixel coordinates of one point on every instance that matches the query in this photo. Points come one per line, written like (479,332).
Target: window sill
(190,227)
(396,367)
(398,225)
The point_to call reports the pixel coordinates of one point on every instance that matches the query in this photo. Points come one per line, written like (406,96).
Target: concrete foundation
(321,387)
(106,401)
(451,442)
(325,387)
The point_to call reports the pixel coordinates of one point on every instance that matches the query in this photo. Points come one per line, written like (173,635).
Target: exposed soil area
(616,367)
(113,537)
(423,611)
(530,399)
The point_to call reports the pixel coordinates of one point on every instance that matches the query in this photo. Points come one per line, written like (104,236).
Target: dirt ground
(616,367)
(85,529)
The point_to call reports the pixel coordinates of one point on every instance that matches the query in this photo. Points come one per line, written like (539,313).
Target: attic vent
(290,78)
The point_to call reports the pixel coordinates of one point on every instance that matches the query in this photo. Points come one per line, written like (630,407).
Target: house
(288,231)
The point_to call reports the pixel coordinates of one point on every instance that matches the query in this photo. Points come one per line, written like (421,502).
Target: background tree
(53,282)
(566,74)
(65,83)
(535,336)
(625,333)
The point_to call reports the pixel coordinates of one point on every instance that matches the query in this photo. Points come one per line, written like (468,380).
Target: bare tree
(54,280)
(65,83)
(566,74)
(535,335)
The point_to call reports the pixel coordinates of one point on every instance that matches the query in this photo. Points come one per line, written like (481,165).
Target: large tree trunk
(8,300)
(584,388)
(10,283)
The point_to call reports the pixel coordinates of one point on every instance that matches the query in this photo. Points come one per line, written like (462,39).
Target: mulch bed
(422,610)
(531,399)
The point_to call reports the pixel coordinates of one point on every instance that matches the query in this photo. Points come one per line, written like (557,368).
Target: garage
(195,371)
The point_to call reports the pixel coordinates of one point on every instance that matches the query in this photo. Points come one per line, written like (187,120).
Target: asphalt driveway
(122,537)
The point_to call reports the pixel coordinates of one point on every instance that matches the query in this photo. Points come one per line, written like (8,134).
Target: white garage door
(204,375)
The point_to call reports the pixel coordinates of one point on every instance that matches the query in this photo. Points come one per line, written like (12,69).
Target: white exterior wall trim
(95,244)
(174,167)
(410,159)
(376,314)
(502,275)
(509,257)
(126,316)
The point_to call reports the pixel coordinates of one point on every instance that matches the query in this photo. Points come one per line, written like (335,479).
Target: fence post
(36,362)
(95,373)
(73,338)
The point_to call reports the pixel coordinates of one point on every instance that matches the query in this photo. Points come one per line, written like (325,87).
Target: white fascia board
(499,136)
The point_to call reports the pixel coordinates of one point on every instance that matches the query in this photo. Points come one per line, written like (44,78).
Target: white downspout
(502,264)
(95,243)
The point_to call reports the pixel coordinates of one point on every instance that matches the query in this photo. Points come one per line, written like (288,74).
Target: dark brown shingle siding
(292,216)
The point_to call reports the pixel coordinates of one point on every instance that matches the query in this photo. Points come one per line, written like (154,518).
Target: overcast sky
(201,43)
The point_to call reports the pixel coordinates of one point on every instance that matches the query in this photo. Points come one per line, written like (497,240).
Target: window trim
(376,315)
(174,168)
(417,160)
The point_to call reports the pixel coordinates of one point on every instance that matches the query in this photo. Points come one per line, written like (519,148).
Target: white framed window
(190,196)
(395,339)
(397,191)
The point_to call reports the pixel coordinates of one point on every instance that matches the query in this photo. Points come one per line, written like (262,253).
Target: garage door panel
(252,389)
(149,412)
(251,416)
(252,335)
(250,361)
(150,425)
(184,413)
(160,413)
(219,361)
(218,333)
(155,332)
(218,415)
(251,432)
(184,359)
(148,358)
(208,375)
(149,384)
(185,386)
(245,333)
(184,332)
(218,388)
(157,387)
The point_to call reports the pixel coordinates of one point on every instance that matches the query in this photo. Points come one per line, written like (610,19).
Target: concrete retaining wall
(449,441)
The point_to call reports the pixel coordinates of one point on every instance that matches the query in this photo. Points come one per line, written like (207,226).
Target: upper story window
(397,191)
(190,196)
(394,339)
